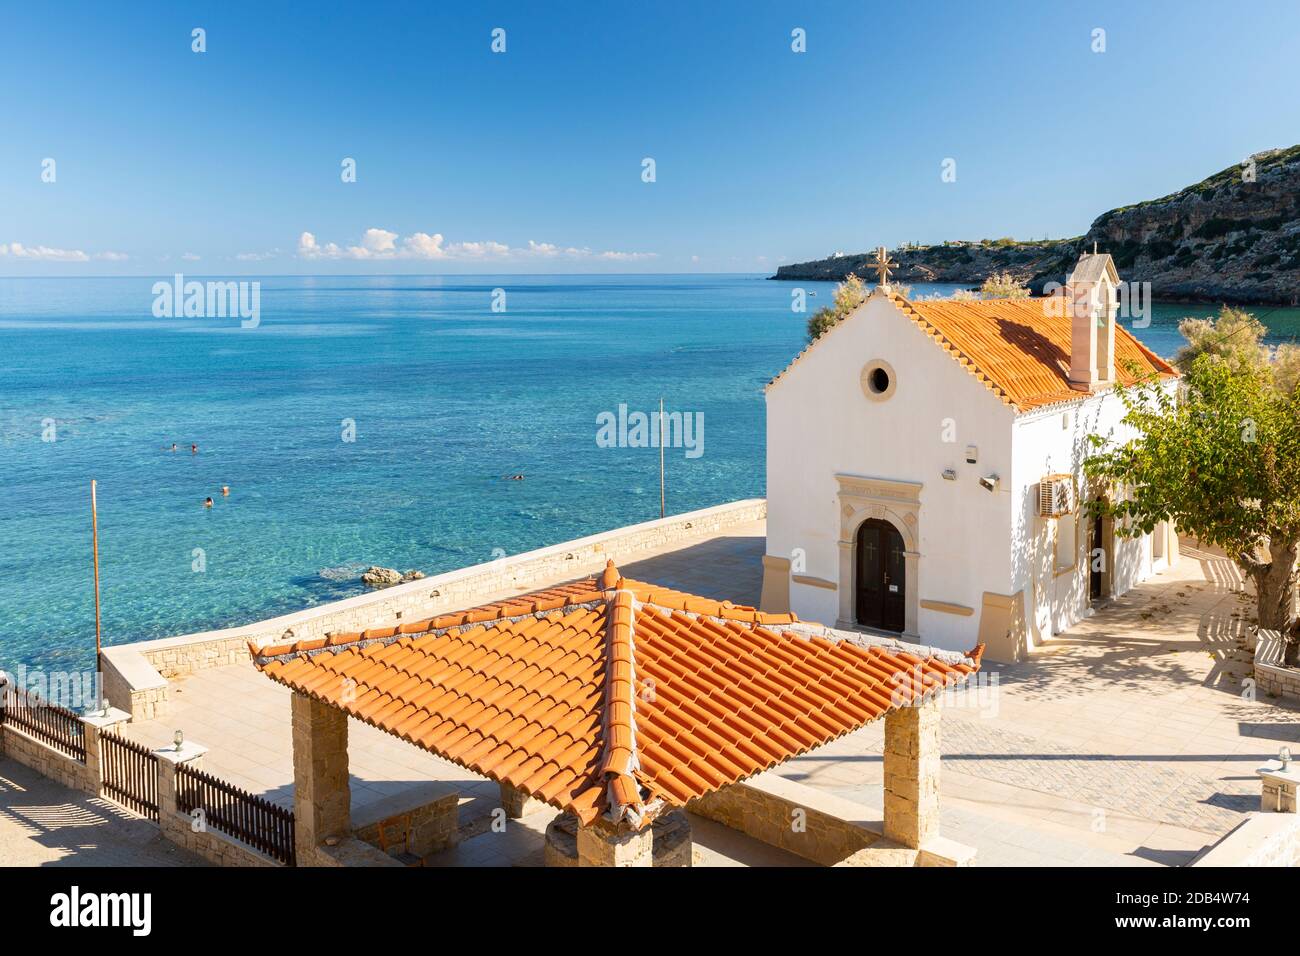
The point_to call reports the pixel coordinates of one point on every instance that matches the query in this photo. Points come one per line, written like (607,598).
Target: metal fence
(130,774)
(253,819)
(51,724)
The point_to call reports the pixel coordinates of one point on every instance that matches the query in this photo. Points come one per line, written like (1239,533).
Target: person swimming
(173,446)
(194,449)
(225,491)
(208,503)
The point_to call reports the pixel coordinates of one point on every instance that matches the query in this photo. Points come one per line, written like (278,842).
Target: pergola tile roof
(610,697)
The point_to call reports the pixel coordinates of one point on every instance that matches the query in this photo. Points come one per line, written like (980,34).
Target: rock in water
(377,577)
(412,575)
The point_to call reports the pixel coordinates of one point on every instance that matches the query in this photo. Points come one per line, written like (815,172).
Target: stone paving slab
(45,824)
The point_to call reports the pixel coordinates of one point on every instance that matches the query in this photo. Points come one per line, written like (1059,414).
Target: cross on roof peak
(883,265)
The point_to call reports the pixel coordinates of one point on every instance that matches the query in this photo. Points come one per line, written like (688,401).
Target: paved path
(45,824)
(1135,733)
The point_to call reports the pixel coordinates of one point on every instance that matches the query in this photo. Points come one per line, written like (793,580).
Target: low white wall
(135,675)
(1263,839)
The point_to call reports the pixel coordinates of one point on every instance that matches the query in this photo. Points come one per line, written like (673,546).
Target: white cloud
(46,253)
(51,254)
(383,244)
(627,256)
(190,257)
(258,256)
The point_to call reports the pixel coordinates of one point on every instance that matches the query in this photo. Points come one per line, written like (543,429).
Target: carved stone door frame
(899,502)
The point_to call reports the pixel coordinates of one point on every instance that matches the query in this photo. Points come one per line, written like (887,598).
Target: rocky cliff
(1225,239)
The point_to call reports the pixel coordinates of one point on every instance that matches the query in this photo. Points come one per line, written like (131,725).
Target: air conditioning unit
(1056,496)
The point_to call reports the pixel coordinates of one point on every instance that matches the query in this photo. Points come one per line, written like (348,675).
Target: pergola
(615,701)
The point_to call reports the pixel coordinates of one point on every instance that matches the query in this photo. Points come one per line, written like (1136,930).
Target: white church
(925,467)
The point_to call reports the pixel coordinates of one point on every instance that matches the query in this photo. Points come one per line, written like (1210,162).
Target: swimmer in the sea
(207,503)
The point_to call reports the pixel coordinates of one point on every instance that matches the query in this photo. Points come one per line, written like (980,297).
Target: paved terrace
(1126,741)
(42,823)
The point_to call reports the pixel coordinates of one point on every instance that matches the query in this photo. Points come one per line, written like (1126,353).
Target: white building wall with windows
(1051,559)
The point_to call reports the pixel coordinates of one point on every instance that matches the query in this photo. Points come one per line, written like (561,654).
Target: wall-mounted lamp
(989,483)
(949,474)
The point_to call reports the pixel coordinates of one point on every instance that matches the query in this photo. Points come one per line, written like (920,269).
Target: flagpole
(661,457)
(94,537)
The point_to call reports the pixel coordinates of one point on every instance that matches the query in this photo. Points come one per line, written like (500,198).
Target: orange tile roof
(1018,348)
(612,697)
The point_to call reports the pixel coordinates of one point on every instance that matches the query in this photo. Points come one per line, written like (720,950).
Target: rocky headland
(1233,237)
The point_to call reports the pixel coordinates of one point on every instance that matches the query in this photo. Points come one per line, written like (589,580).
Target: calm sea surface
(447,397)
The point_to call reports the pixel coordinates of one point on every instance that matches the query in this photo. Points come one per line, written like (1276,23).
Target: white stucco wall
(820,424)
(1053,441)
(970,541)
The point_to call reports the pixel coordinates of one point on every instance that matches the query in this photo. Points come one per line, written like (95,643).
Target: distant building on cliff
(925,467)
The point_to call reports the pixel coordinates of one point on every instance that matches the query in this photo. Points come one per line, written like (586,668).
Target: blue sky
(217,163)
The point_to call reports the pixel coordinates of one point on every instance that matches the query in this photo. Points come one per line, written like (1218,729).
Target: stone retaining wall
(212,845)
(433,827)
(45,760)
(1272,677)
(809,823)
(819,826)
(135,675)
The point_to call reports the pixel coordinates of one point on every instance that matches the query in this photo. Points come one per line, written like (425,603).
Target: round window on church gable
(878,380)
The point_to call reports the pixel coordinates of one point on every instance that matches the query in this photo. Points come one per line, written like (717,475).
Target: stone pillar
(93,724)
(321,798)
(604,845)
(517,803)
(1278,790)
(169,758)
(912,774)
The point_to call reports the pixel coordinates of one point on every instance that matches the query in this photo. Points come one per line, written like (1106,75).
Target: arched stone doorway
(880,576)
(896,504)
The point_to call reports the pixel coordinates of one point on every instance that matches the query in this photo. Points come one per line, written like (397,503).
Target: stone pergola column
(321,797)
(517,803)
(604,845)
(912,774)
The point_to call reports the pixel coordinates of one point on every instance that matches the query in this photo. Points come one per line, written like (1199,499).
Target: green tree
(1220,458)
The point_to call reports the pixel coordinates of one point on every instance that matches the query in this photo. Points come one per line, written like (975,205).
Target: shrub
(1003,285)
(849,294)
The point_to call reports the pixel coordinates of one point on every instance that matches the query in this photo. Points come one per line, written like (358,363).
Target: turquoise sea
(447,397)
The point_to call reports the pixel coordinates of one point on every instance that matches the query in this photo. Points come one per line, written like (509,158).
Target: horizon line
(373,275)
